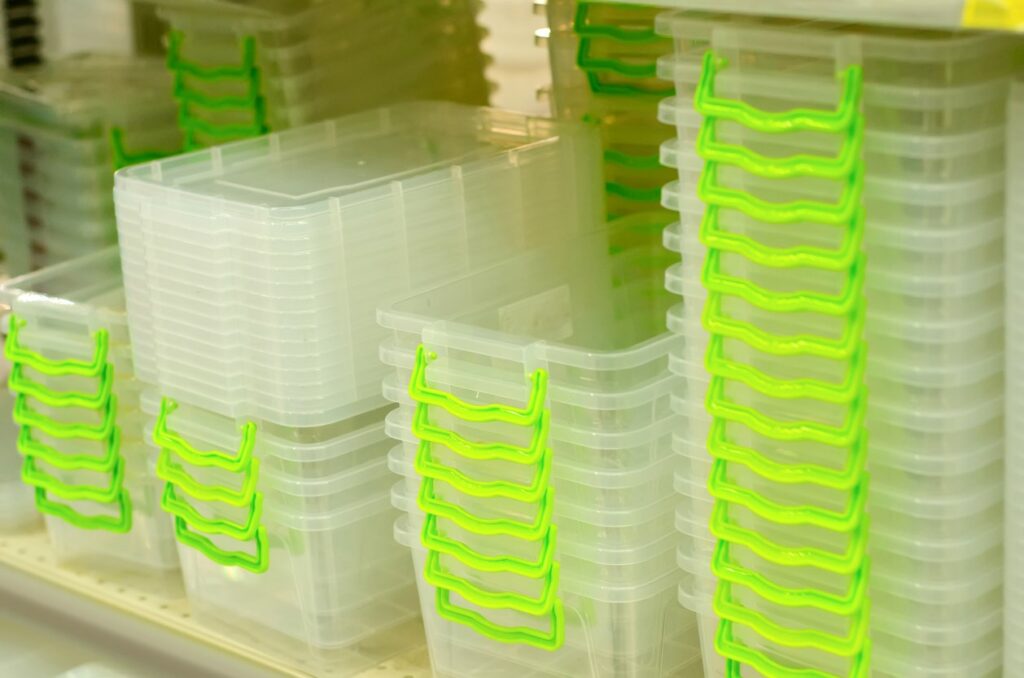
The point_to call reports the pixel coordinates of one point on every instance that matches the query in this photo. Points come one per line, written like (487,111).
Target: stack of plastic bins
(240,71)
(534,435)
(933,240)
(76,402)
(1013,632)
(604,70)
(254,271)
(58,156)
(20,29)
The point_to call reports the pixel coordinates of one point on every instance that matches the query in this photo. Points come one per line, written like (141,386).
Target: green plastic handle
(632,161)
(174,505)
(531,454)
(535,531)
(176,64)
(844,605)
(250,99)
(718,365)
(25,416)
(32,475)
(713,236)
(168,470)
(121,523)
(433,540)
(600,87)
(839,563)
(843,211)
(715,281)
(257,562)
(588,62)
(435,575)
(617,188)
(234,462)
(123,158)
(427,467)
(16,353)
(503,634)
(737,655)
(844,117)
(839,479)
(19,383)
(843,437)
(191,124)
(801,165)
(530,415)
(842,348)
(29,446)
(849,645)
(638,33)
(721,488)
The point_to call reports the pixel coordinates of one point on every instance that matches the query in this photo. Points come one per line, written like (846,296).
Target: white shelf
(152,619)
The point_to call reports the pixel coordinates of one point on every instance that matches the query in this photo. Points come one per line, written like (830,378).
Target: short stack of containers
(534,435)
(253,273)
(933,237)
(17,500)
(604,70)
(56,127)
(241,70)
(77,408)
(1013,598)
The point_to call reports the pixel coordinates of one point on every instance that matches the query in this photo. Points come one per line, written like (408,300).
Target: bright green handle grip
(123,158)
(168,470)
(16,353)
(435,575)
(531,454)
(121,523)
(538,529)
(19,383)
(175,63)
(174,505)
(32,475)
(503,634)
(738,655)
(257,562)
(427,467)
(435,541)
(29,446)
(234,462)
(25,416)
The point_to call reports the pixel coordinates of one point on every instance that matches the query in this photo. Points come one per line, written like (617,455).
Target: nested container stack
(76,403)
(17,500)
(242,70)
(534,440)
(1013,650)
(932,176)
(61,127)
(604,71)
(253,273)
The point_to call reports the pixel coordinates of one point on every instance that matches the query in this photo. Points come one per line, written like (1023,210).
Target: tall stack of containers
(80,428)
(535,444)
(253,273)
(603,62)
(241,70)
(58,155)
(934,111)
(17,500)
(1013,598)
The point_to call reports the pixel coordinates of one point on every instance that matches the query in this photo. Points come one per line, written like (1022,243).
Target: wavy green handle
(842,304)
(718,365)
(845,605)
(29,446)
(225,131)
(843,118)
(713,236)
(839,479)
(16,353)
(737,654)
(843,646)
(175,442)
(614,156)
(427,467)
(34,476)
(123,158)
(19,383)
(121,523)
(843,437)
(257,562)
(539,529)
(639,34)
(168,470)
(723,489)
(519,635)
(715,321)
(171,503)
(176,63)
(839,563)
(25,416)
(531,454)
(530,415)
(433,540)
(435,575)
(617,188)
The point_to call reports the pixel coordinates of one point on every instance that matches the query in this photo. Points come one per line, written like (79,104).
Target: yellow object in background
(1003,14)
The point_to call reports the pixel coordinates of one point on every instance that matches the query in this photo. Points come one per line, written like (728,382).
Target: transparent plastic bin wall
(17,506)
(421,193)
(634,632)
